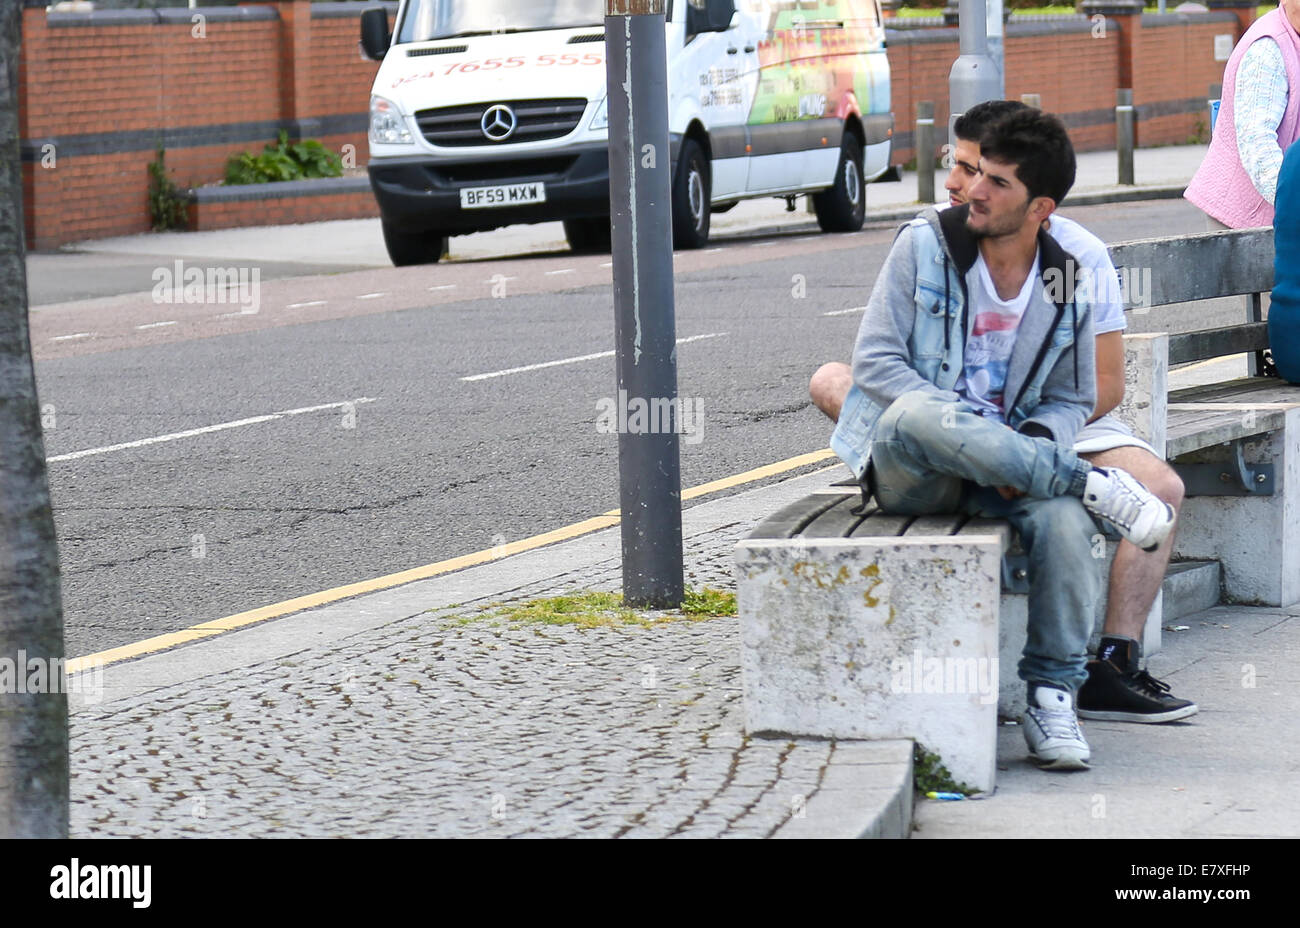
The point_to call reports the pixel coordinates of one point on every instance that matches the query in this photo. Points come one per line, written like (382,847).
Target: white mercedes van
(486,113)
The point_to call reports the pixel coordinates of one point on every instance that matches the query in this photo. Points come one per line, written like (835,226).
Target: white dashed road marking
(221,427)
(584,357)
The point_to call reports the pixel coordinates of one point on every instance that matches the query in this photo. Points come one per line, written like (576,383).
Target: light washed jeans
(929,455)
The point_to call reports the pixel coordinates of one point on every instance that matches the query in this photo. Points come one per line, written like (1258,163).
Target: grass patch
(604,610)
(930,775)
(709,602)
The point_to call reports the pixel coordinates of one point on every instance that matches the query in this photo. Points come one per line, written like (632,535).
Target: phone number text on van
(516,61)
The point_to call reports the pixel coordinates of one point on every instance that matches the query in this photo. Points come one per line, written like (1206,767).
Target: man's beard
(1010,226)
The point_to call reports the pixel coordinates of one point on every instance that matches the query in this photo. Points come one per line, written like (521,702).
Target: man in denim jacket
(972,372)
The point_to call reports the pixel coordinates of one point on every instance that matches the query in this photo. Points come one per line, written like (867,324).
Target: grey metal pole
(995,30)
(925,152)
(974,75)
(1124,135)
(640,182)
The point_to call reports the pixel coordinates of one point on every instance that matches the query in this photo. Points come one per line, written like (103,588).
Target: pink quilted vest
(1221,186)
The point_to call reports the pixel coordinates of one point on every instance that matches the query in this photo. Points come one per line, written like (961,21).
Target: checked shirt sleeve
(1259,105)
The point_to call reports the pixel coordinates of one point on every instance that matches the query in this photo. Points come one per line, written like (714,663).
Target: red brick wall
(79,80)
(1175,61)
(1074,73)
(147,78)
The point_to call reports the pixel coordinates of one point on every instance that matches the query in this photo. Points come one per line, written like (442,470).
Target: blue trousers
(930,456)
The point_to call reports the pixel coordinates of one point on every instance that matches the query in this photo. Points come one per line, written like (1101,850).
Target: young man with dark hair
(1118,689)
(971,377)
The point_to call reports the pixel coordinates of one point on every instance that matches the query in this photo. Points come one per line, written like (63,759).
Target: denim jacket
(913,337)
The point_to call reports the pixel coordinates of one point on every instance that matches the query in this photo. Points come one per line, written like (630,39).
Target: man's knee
(912,414)
(1153,473)
(829,386)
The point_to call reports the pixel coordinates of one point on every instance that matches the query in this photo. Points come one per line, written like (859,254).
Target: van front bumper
(422,194)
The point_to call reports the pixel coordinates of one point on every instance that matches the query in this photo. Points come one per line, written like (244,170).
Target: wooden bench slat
(1195,428)
(792,519)
(1242,390)
(1197,267)
(947,524)
(837,522)
(880,525)
(1217,343)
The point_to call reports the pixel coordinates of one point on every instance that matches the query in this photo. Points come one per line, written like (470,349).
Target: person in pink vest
(1259,119)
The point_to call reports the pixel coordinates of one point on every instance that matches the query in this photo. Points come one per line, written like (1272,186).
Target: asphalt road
(369,452)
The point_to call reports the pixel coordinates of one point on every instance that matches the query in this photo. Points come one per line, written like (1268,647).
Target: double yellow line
(253,616)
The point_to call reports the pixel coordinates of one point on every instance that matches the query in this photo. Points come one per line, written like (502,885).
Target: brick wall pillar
(1244,10)
(42,179)
(295,68)
(1127,14)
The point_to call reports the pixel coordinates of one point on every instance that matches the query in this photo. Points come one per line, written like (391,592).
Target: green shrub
(284,160)
(167,206)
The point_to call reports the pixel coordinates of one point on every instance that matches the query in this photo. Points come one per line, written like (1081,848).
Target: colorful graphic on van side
(813,61)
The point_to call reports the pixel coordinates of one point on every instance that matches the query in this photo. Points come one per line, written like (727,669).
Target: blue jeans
(929,455)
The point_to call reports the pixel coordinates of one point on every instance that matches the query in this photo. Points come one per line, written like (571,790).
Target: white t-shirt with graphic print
(993,326)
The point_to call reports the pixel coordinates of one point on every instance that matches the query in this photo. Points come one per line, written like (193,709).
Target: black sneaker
(1116,691)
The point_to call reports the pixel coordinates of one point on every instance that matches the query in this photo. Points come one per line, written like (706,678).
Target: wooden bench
(858,624)
(1234,443)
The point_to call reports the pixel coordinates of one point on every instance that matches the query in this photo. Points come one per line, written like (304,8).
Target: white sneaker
(1120,499)
(1052,730)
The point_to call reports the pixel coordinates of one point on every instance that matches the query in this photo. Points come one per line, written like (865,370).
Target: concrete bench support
(1256,538)
(876,638)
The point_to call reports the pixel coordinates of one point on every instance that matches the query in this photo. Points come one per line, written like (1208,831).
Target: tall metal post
(925,152)
(1124,136)
(974,77)
(645,332)
(995,21)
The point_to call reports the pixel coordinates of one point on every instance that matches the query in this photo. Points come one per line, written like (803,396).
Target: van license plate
(504,195)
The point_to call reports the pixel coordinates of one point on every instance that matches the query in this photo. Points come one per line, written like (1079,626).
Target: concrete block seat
(866,625)
(1236,445)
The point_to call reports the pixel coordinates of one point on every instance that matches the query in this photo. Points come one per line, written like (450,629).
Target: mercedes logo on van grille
(498,122)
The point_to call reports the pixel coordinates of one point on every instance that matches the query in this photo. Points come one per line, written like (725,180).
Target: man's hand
(1009,492)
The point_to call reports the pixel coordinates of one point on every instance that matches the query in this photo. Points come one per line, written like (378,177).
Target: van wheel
(691,197)
(843,207)
(588,236)
(406,248)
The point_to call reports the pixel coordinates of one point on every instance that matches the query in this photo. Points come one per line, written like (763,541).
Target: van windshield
(445,19)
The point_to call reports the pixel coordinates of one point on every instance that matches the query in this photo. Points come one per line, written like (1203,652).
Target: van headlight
(601,119)
(387,127)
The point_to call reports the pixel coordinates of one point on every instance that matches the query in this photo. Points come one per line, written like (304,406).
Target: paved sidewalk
(1229,771)
(413,712)
(396,714)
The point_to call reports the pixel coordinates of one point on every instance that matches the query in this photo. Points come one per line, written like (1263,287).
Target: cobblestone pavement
(457,723)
